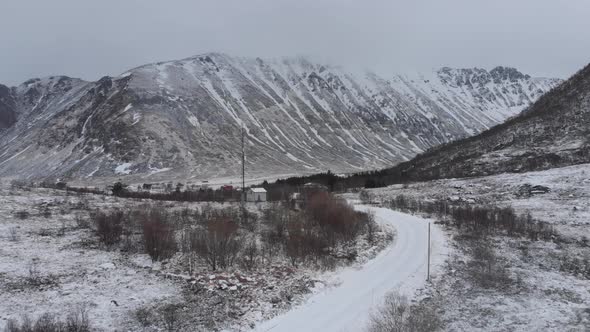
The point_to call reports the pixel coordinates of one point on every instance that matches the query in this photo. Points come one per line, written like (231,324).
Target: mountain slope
(182,118)
(553,132)
(7,107)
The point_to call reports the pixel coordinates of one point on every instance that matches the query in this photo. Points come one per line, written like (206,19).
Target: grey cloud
(89,39)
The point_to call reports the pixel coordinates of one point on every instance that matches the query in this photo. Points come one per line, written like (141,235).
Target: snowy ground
(50,263)
(402,267)
(570,188)
(546,284)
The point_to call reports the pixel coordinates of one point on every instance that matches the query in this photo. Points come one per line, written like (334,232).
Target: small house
(157,188)
(256,195)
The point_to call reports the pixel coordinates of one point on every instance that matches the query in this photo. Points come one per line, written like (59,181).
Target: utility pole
(243,165)
(428,269)
(244,214)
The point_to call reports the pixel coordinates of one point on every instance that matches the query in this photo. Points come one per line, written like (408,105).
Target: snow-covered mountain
(182,118)
(553,132)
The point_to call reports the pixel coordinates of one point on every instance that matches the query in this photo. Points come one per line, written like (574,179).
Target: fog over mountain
(107,37)
(182,119)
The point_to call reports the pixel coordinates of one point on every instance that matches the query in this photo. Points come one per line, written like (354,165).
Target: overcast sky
(90,39)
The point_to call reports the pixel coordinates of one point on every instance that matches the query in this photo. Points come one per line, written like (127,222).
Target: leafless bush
(170,316)
(82,204)
(366,197)
(76,321)
(20,184)
(371,227)
(62,228)
(45,212)
(34,277)
(397,315)
(250,255)
(218,245)
(143,316)
(158,234)
(336,218)
(13,234)
(479,220)
(487,269)
(574,264)
(109,226)
(313,235)
(81,221)
(22,214)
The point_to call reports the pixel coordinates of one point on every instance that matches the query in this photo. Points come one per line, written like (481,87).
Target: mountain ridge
(182,118)
(553,132)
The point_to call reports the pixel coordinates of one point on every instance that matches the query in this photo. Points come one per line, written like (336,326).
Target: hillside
(553,132)
(182,119)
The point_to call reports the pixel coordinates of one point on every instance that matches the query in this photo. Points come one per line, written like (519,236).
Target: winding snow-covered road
(401,266)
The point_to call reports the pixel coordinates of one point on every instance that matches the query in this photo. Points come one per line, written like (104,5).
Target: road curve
(347,307)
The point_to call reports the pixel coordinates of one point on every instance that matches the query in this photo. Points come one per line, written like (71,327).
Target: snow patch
(123,169)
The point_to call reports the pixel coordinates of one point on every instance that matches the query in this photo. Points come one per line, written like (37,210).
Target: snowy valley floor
(52,262)
(507,283)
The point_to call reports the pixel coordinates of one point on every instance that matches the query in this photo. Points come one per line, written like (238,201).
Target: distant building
(157,188)
(314,187)
(256,195)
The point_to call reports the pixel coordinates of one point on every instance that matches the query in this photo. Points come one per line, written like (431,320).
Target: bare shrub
(34,277)
(62,228)
(158,234)
(365,196)
(250,255)
(318,235)
(13,234)
(485,268)
(45,212)
(218,245)
(20,184)
(479,220)
(294,246)
(143,316)
(22,214)
(371,227)
(109,226)
(170,316)
(81,221)
(397,315)
(76,321)
(337,219)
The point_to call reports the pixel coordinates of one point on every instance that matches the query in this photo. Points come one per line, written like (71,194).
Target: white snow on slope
(123,168)
(347,307)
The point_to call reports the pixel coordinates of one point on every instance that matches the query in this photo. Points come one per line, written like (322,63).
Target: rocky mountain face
(553,132)
(182,119)
(7,107)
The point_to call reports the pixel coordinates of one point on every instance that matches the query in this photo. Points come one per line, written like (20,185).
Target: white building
(256,195)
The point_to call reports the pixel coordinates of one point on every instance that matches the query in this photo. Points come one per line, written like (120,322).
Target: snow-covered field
(52,262)
(539,285)
(566,205)
(50,265)
(401,267)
